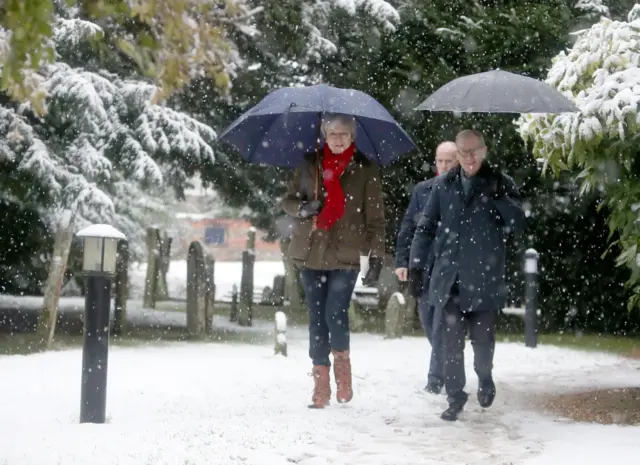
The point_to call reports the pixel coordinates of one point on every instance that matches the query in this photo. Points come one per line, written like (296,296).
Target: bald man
(446,158)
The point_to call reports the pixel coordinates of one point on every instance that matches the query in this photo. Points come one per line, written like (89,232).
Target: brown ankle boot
(342,373)
(322,387)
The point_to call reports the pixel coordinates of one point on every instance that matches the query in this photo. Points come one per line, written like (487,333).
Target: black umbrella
(497,92)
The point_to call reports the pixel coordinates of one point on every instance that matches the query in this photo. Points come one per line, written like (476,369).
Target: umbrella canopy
(285,125)
(497,92)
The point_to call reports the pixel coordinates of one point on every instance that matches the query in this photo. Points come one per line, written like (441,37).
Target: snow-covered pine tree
(101,151)
(174,41)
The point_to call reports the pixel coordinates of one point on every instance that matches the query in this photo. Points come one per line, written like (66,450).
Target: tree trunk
(61,247)
(121,285)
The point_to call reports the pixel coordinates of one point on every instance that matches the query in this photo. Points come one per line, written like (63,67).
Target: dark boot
(433,388)
(486,394)
(342,373)
(456,405)
(322,387)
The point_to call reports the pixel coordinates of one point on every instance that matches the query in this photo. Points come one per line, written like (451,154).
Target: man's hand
(402,273)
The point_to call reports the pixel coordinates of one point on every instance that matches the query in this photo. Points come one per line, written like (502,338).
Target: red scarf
(333,166)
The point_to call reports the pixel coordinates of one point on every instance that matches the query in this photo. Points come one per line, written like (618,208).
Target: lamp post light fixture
(99,258)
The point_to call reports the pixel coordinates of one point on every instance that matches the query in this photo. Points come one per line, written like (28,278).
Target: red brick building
(224,238)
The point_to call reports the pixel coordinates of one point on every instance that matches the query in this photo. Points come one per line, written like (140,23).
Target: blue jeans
(433,324)
(328,295)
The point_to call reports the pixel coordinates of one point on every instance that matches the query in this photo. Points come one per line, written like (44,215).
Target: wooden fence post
(196,291)
(121,289)
(153,263)
(211,292)
(233,314)
(245,306)
(164,259)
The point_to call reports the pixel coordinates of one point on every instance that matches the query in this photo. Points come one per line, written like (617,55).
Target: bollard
(531,298)
(99,266)
(281,334)
(95,350)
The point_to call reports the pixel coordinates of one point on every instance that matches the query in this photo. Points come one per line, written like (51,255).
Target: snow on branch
(601,75)
(592,7)
(378,9)
(316,17)
(69,33)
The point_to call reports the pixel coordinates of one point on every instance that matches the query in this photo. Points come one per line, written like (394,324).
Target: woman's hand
(373,273)
(311,208)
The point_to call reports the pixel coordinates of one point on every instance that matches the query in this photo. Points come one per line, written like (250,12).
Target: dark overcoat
(468,234)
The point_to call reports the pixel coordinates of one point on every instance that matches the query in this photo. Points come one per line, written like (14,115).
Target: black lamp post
(531,298)
(99,267)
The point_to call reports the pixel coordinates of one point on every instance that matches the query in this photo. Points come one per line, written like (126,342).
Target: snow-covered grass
(239,404)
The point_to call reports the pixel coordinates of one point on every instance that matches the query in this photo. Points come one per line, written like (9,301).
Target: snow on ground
(203,404)
(226,274)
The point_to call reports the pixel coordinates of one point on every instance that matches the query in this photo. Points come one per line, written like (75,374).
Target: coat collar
(359,160)
(485,173)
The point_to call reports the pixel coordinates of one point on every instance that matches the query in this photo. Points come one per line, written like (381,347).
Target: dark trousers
(433,328)
(481,326)
(328,296)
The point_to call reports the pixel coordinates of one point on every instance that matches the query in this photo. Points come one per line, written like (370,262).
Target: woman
(336,200)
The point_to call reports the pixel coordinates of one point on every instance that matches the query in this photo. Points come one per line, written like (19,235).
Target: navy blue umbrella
(284,126)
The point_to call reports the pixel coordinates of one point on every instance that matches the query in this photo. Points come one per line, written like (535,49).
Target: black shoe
(451,414)
(486,394)
(433,388)
(456,405)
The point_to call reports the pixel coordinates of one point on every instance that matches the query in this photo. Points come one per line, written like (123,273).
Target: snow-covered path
(217,404)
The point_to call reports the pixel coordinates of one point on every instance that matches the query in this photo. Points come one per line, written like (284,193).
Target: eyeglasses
(338,135)
(469,153)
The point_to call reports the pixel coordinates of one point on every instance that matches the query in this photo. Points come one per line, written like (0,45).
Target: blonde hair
(329,119)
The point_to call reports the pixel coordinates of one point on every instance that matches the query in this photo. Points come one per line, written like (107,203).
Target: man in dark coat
(471,211)
(446,158)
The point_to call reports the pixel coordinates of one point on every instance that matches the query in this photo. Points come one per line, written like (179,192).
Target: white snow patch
(400,297)
(101,230)
(197,404)
(281,321)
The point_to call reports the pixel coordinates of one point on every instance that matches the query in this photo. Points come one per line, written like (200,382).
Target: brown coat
(362,228)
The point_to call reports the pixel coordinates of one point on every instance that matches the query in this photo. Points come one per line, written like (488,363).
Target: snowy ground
(204,404)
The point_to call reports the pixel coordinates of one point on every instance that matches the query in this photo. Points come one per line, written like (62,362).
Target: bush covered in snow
(601,74)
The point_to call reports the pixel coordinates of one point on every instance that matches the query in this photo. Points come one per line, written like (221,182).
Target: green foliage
(22,270)
(170,41)
(600,142)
